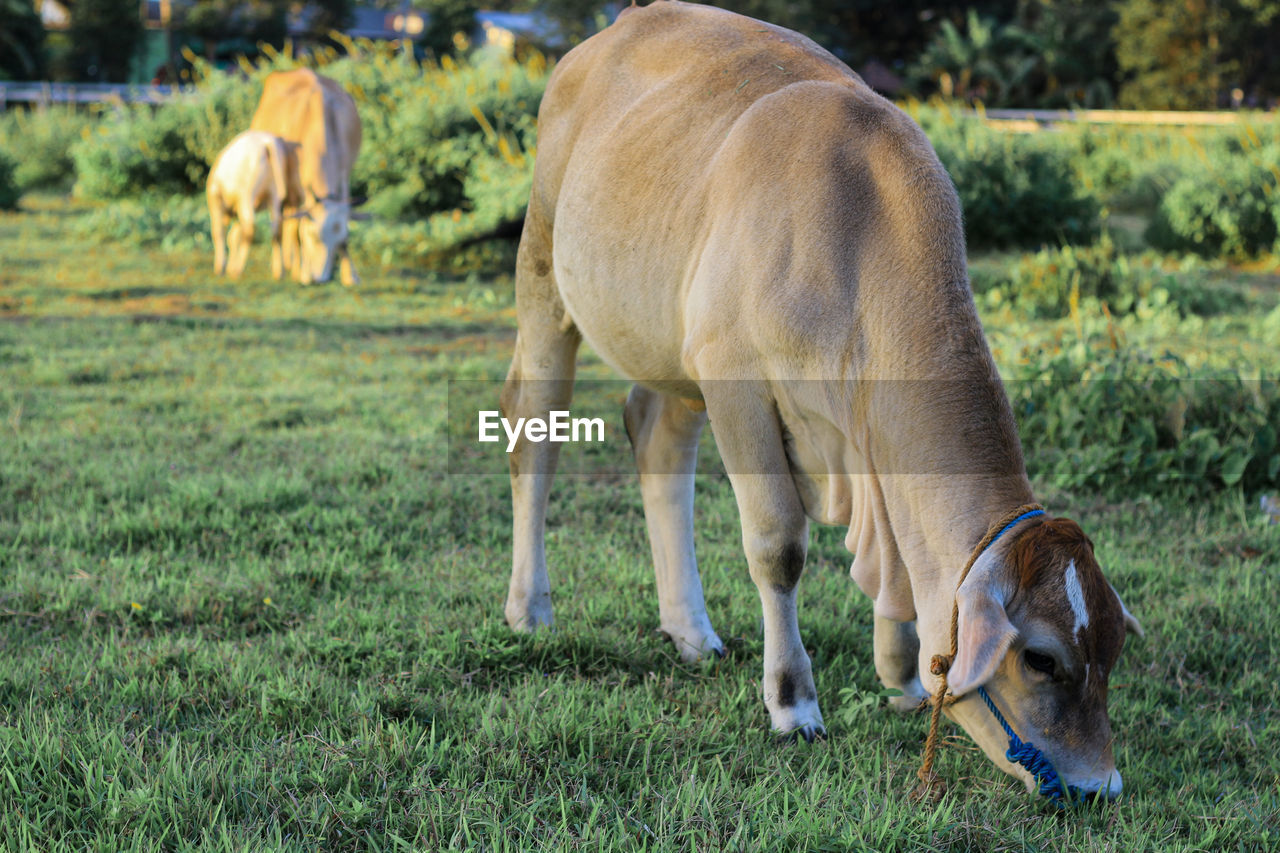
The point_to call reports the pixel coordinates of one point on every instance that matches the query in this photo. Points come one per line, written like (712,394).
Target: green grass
(245,606)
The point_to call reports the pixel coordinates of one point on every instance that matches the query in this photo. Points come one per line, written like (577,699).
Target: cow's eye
(1038,661)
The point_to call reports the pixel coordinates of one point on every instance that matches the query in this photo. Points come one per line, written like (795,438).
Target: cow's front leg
(896,654)
(346,269)
(775,533)
(277,250)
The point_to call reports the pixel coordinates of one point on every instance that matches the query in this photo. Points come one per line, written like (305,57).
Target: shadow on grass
(122,293)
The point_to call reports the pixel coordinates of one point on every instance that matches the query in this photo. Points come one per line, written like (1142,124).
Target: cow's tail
(279,177)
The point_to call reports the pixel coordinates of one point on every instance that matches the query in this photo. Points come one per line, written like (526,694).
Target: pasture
(248,600)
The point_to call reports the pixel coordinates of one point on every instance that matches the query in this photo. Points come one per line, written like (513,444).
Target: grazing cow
(729,216)
(318,115)
(248,175)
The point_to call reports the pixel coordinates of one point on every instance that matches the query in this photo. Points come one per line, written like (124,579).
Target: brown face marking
(1041,557)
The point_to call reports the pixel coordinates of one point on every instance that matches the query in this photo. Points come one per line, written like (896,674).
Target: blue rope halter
(1022,752)
(1036,762)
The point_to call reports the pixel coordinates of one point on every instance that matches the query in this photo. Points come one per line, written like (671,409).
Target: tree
(325,16)
(102,39)
(236,24)
(1251,37)
(444,19)
(1172,54)
(986,61)
(1078,64)
(21,41)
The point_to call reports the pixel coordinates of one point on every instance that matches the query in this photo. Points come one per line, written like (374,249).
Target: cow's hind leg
(775,534)
(540,380)
(897,649)
(244,239)
(277,250)
(664,435)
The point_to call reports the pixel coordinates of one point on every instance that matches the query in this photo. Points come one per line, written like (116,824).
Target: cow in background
(317,116)
(248,175)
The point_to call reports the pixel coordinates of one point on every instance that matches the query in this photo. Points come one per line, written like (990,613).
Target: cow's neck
(918,472)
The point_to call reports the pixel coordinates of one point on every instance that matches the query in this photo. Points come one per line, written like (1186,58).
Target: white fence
(1030,121)
(42,94)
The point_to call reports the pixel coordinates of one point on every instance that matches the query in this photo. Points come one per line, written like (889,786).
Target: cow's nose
(1103,789)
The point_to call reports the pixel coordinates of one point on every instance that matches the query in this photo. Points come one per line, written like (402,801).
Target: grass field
(244,605)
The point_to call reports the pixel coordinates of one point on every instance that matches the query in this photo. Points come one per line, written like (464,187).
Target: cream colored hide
(318,116)
(730,216)
(247,176)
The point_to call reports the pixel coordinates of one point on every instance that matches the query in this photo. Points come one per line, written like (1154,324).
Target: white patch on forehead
(1075,597)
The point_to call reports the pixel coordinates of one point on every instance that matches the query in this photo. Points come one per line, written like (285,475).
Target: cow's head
(321,230)
(1041,629)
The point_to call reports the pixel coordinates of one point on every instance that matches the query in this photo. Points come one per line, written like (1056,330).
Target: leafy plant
(1016,190)
(1121,422)
(40,141)
(1230,211)
(9,191)
(169,222)
(987,61)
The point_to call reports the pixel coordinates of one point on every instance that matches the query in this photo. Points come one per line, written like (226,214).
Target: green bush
(1232,211)
(9,191)
(434,133)
(167,222)
(1017,190)
(1047,283)
(1119,422)
(40,143)
(144,151)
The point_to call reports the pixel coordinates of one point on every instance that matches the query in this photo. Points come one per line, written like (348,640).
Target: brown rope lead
(931,787)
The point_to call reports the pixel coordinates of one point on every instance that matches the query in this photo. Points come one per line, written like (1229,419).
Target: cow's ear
(1131,624)
(985,632)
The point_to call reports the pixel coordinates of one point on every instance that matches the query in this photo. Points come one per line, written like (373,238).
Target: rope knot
(940,665)
(931,788)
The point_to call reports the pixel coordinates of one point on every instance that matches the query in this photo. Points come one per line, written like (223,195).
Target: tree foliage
(1054,53)
(21,41)
(103,38)
(445,19)
(1172,53)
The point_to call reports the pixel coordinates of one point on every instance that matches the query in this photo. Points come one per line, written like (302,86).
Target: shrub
(169,222)
(1046,284)
(40,143)
(9,191)
(433,132)
(1017,191)
(143,150)
(1232,211)
(1120,422)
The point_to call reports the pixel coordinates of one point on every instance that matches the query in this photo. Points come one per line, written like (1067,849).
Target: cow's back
(243,169)
(316,114)
(716,175)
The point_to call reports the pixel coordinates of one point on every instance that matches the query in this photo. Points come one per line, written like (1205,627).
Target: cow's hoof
(809,733)
(525,619)
(695,646)
(912,699)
